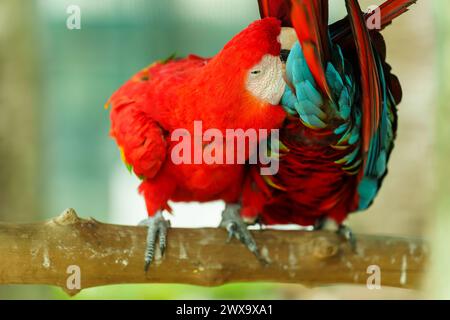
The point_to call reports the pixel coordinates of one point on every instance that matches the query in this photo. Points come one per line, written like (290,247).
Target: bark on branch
(41,253)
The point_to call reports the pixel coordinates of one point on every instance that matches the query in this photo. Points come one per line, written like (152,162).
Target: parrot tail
(392,9)
(389,10)
(377,106)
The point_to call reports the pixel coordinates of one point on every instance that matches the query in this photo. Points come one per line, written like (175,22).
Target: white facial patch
(265,79)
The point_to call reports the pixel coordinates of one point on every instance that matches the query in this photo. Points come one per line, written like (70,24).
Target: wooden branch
(41,253)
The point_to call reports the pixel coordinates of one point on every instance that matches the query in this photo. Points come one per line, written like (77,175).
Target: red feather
(310,21)
(314,185)
(371,97)
(280,9)
(172,95)
(389,10)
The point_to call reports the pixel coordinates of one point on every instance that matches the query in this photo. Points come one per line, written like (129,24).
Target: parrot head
(252,61)
(245,80)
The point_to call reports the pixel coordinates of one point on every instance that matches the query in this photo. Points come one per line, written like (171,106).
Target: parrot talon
(347,233)
(231,228)
(258,223)
(237,228)
(320,224)
(157,228)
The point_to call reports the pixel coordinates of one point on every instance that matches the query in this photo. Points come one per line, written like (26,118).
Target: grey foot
(347,233)
(237,228)
(157,228)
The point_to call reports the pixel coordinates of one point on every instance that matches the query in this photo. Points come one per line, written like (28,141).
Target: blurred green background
(54,146)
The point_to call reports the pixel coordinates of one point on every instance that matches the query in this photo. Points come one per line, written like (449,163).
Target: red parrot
(239,88)
(341,99)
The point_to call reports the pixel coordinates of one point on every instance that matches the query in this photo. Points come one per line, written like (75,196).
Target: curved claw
(237,228)
(347,233)
(342,230)
(157,228)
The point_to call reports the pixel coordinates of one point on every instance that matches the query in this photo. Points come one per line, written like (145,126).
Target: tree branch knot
(68,217)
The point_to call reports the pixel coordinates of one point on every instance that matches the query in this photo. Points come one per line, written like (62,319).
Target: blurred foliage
(19,123)
(439,277)
(258,291)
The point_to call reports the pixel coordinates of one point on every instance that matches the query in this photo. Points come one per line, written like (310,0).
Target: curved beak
(288,37)
(284,54)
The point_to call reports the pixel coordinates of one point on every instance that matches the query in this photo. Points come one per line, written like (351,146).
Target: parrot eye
(265,79)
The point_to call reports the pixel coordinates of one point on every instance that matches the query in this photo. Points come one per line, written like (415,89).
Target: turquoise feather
(380,147)
(308,103)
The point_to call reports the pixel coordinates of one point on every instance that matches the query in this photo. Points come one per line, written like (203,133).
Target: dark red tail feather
(310,21)
(371,100)
(280,9)
(389,10)
(340,30)
(392,9)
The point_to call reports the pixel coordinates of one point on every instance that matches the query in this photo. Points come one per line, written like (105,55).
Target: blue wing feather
(316,112)
(380,147)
